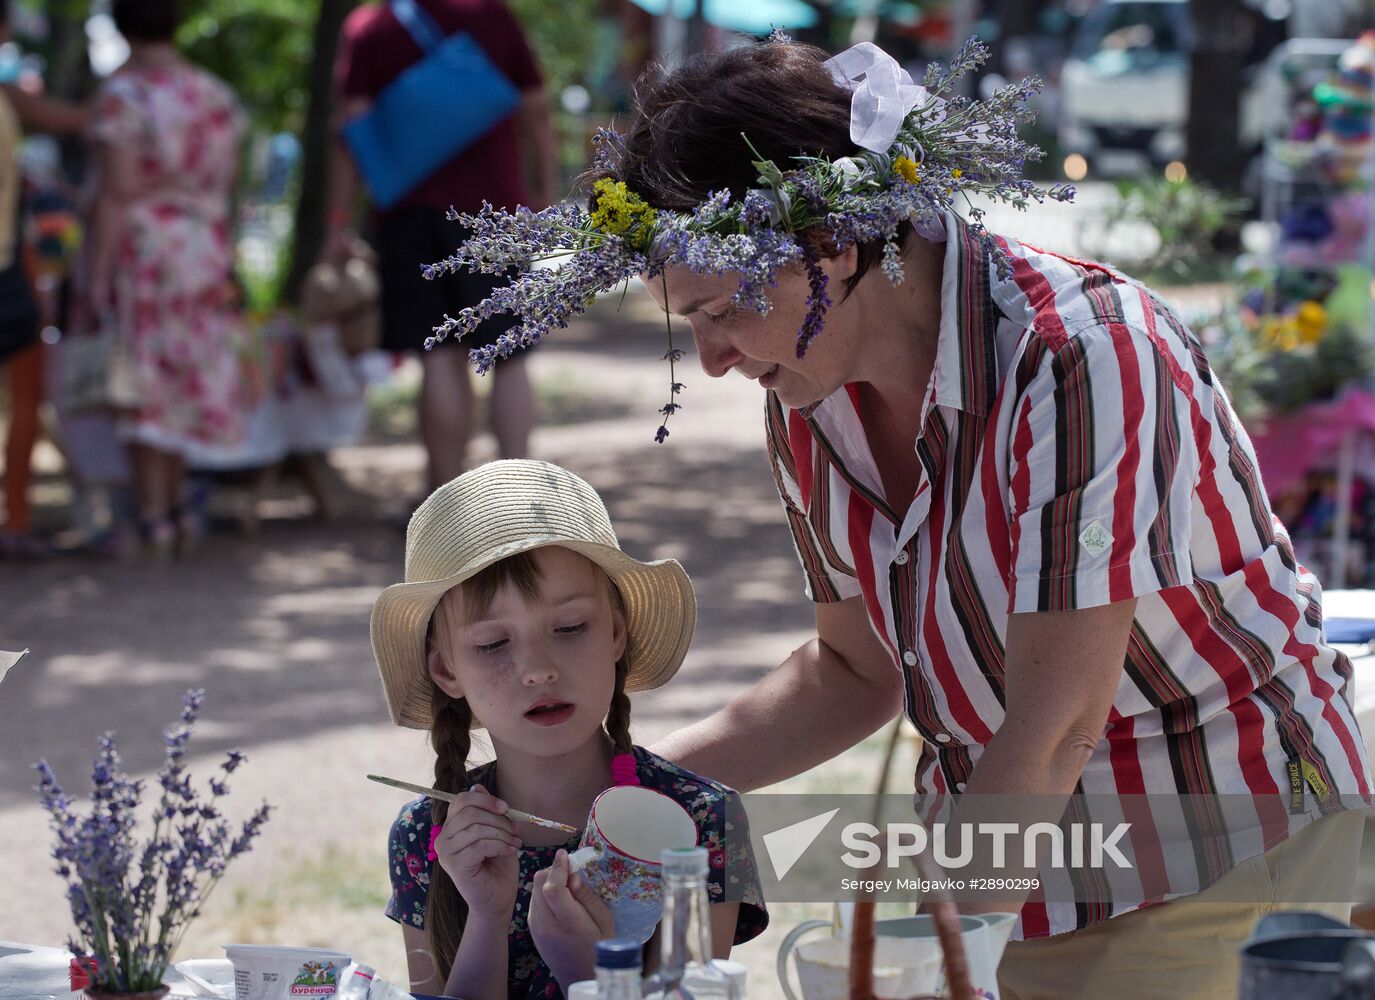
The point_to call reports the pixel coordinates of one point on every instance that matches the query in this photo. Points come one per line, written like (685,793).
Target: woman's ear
(441,674)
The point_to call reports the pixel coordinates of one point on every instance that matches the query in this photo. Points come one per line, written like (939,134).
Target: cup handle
(582,856)
(786,948)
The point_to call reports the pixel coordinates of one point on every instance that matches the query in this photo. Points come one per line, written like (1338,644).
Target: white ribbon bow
(883,94)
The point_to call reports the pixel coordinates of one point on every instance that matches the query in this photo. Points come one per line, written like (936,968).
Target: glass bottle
(685,969)
(737,973)
(618,969)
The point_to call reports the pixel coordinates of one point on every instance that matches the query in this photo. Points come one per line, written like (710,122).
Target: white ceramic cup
(628,828)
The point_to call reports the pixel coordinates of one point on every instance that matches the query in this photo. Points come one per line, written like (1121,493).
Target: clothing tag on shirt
(1294,768)
(1095,538)
(1315,782)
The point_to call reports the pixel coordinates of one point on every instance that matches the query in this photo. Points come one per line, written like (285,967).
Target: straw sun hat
(496,511)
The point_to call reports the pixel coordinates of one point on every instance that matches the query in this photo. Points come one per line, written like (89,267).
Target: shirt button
(942,737)
(959,786)
(901,558)
(909,658)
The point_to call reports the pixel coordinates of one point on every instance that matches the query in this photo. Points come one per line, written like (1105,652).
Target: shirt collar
(966,371)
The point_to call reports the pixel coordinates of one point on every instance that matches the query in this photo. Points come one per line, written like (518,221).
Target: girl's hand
(567,919)
(479,849)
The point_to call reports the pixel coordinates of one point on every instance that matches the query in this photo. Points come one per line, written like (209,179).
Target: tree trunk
(696,30)
(1221,36)
(317,135)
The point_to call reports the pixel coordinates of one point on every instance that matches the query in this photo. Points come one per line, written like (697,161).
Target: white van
(1125,88)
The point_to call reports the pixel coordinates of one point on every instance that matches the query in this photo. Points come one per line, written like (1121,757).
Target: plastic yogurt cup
(267,972)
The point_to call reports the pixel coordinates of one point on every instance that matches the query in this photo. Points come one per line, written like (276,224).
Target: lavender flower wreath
(921,149)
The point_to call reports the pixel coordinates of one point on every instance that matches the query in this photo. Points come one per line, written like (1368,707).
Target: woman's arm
(420,963)
(479,971)
(39,113)
(723,919)
(118,184)
(538,147)
(1063,669)
(342,185)
(836,690)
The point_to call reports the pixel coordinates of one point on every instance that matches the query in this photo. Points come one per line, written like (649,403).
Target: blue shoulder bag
(430,113)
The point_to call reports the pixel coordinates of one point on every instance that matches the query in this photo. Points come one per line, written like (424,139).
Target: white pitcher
(907,956)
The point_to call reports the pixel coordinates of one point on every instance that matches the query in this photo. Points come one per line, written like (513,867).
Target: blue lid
(618,953)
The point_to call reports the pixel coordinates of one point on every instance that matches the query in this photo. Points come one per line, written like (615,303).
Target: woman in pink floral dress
(168,138)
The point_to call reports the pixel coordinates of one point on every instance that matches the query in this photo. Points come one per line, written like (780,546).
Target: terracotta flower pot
(156,994)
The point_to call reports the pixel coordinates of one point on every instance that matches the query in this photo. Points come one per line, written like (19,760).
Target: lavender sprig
(817,299)
(114,885)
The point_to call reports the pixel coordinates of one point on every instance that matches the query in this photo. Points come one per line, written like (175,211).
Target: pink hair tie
(623,770)
(435,831)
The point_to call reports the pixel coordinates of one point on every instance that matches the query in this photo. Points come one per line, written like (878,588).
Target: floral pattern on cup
(627,821)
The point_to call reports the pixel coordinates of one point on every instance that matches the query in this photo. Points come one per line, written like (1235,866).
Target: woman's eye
(572,629)
(722,317)
(489,647)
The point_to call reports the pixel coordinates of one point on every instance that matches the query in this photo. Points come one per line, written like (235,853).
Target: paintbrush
(435,793)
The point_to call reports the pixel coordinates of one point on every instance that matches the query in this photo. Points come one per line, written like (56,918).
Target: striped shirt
(1076,450)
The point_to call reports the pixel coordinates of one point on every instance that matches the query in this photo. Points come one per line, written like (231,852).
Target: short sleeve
(827,579)
(407,846)
(723,829)
(733,876)
(117,118)
(1102,470)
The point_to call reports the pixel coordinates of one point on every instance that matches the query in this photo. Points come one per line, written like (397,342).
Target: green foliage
(1188,217)
(1281,348)
(569,38)
(261,48)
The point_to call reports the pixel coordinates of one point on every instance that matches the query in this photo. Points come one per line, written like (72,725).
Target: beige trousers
(1187,949)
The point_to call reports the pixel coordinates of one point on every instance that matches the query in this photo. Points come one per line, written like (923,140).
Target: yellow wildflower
(619,210)
(906,168)
(1311,322)
(957,173)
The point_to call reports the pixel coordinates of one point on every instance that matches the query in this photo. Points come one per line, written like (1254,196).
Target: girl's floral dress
(180,336)
(732,877)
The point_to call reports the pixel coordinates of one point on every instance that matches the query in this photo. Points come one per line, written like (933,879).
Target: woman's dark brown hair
(146,20)
(445,912)
(684,137)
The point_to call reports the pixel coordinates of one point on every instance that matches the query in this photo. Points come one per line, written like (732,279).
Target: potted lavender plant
(131,900)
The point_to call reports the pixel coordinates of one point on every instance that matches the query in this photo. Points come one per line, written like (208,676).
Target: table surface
(37,972)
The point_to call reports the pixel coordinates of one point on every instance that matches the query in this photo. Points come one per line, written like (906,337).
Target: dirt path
(275,629)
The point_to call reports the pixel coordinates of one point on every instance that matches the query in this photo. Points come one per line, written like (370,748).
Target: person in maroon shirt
(374,49)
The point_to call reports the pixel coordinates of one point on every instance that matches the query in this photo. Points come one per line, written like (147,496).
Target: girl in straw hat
(521,615)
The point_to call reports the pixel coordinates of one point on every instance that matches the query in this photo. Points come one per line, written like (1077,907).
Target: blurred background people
(512,164)
(21,312)
(167,136)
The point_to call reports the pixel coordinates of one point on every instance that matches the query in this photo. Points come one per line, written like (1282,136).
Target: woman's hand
(479,849)
(567,919)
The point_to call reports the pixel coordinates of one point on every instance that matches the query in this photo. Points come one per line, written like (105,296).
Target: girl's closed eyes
(564,630)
